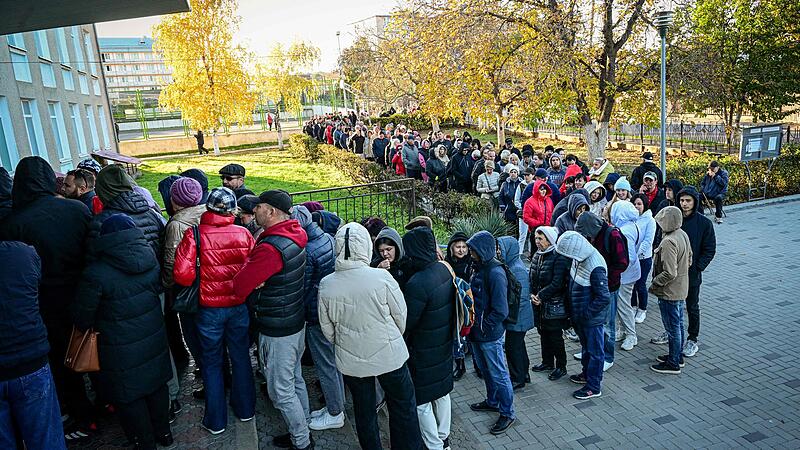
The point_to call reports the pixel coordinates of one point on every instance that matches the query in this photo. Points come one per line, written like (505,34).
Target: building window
(33,126)
(8,145)
(63,52)
(89,53)
(96,86)
(76,44)
(48,76)
(59,130)
(101,115)
(69,82)
(42,47)
(92,127)
(16,40)
(75,116)
(84,84)
(22,71)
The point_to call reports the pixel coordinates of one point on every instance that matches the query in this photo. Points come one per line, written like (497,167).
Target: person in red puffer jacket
(538,209)
(222,318)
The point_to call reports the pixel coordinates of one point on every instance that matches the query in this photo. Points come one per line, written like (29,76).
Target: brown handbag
(82,351)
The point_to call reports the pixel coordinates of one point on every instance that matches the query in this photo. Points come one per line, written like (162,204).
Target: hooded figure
(516,352)
(436,168)
(566,221)
(328,221)
(624,216)
(5,193)
(201,177)
(609,183)
(563,205)
(398,267)
(596,206)
(431,318)
(538,208)
(459,170)
(489,288)
(461,266)
(672,259)
(702,237)
(320,259)
(675,186)
(163,189)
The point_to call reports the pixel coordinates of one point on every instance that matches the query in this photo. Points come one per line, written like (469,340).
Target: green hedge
(414,121)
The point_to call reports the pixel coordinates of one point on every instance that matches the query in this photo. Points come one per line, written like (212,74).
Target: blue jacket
(23,337)
(588,282)
(509,251)
(507,192)
(320,261)
(718,185)
(489,288)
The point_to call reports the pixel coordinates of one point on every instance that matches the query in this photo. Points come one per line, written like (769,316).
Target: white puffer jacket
(361,309)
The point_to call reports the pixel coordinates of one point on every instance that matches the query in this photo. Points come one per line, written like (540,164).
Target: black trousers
(553,347)
(693,311)
(145,418)
(718,201)
(402,404)
(517,356)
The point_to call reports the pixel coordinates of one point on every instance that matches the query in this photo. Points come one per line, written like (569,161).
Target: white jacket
(361,309)
(647,226)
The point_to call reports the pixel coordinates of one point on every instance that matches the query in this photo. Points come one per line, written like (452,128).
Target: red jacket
(329,134)
(538,210)
(224,248)
(572,171)
(399,167)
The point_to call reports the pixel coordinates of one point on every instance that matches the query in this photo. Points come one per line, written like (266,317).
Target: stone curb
(761,203)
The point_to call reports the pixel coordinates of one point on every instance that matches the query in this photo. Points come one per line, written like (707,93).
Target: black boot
(461,369)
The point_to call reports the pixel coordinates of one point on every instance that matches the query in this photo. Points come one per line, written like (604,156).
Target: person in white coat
(647,226)
(363,313)
(624,216)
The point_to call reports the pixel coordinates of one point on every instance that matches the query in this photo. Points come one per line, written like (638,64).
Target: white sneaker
(570,334)
(607,365)
(214,432)
(629,343)
(690,348)
(578,356)
(641,314)
(319,412)
(662,339)
(620,336)
(326,422)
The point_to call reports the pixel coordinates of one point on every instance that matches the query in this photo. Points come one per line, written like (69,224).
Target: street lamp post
(341,77)
(663,21)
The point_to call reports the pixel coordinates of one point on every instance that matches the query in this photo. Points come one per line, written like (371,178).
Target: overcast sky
(266,22)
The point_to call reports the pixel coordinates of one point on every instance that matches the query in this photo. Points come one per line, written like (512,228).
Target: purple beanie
(185,192)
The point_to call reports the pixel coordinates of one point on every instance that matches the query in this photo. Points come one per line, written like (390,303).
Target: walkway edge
(246,435)
(761,203)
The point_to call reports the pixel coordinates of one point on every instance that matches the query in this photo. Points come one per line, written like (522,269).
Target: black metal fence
(394,201)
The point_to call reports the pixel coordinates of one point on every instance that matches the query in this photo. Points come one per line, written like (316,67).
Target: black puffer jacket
(430,321)
(549,280)
(118,297)
(56,228)
(461,266)
(134,205)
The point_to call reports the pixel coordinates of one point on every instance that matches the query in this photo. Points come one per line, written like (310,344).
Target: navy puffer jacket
(134,205)
(320,261)
(489,288)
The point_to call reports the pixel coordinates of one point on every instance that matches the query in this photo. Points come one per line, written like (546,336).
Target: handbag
(82,351)
(188,298)
(554,310)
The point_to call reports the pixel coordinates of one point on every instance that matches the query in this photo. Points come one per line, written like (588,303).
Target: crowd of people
(378,311)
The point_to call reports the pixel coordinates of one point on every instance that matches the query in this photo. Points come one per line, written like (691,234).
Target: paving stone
(754,437)
(665,419)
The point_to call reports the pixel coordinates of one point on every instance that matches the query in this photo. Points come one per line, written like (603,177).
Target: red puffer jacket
(224,248)
(538,209)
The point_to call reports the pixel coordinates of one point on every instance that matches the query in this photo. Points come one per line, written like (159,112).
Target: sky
(266,22)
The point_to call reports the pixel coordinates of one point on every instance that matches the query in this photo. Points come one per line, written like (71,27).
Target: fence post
(788,134)
(641,135)
(681,134)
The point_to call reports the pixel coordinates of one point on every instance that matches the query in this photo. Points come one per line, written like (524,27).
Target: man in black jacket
(379,148)
(647,165)
(704,246)
(459,171)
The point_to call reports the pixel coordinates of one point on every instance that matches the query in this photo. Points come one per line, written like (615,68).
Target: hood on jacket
(623,212)
(669,219)
(592,185)
(289,229)
(689,190)
(328,221)
(612,178)
(573,170)
(127,251)
(392,235)
(419,244)
(33,179)
(589,225)
(163,189)
(676,186)
(551,233)
(538,184)
(302,215)
(456,237)
(572,245)
(199,176)
(509,250)
(353,246)
(111,182)
(575,201)
(6,184)
(484,244)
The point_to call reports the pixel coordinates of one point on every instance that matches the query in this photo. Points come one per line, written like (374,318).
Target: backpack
(465,304)
(513,295)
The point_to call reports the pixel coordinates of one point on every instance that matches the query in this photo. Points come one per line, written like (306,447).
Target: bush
(491,222)
(414,121)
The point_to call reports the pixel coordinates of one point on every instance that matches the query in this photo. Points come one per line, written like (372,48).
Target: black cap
(277,198)
(508,140)
(247,203)
(713,164)
(234,170)
(648,156)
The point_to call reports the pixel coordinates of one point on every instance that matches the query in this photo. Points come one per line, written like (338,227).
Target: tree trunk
(596,135)
(501,129)
(435,124)
(216,143)
(278,126)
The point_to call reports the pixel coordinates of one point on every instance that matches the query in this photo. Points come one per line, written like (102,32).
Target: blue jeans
(610,329)
(31,403)
(639,297)
(591,355)
(672,317)
(190,336)
(491,360)
(330,378)
(228,327)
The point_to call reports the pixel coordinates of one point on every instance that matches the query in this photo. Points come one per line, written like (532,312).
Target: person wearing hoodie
(389,255)
(272,279)
(222,320)
(671,263)
(538,209)
(410,157)
(541,174)
(647,226)
(362,312)
(622,192)
(556,172)
(671,189)
(118,296)
(490,290)
(611,244)
(507,193)
(590,304)
(597,197)
(704,246)
(459,171)
(624,216)
(601,170)
(35,211)
(647,165)
(430,327)
(563,205)
(576,206)
(6,184)
(549,277)
(320,262)
(572,171)
(436,168)
(163,190)
(516,352)
(327,220)
(458,258)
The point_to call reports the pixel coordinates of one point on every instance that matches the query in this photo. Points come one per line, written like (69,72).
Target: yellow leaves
(281,80)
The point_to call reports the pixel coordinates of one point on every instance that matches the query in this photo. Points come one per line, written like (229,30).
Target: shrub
(414,121)
(491,222)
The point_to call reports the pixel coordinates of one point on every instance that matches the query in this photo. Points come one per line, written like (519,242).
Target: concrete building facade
(130,65)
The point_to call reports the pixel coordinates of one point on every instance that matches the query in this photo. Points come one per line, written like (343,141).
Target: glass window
(48,76)
(22,71)
(75,116)
(69,83)
(42,47)
(101,115)
(59,130)
(96,86)
(63,53)
(76,44)
(90,56)
(16,40)
(33,127)
(92,127)
(84,84)
(8,145)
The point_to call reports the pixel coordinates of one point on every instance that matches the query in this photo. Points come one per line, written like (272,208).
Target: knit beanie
(116,222)
(622,183)
(313,206)
(111,182)
(551,233)
(185,192)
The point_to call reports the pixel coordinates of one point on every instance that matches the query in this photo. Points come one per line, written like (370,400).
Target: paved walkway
(741,390)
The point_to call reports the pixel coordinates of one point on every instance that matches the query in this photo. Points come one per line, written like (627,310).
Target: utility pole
(341,76)
(663,21)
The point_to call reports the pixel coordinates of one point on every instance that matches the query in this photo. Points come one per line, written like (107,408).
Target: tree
(210,84)
(280,79)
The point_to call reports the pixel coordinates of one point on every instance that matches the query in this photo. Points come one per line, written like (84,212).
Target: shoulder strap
(196,233)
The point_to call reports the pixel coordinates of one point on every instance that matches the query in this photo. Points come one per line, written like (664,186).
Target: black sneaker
(664,358)
(76,434)
(502,424)
(483,407)
(667,368)
(517,386)
(585,393)
(557,374)
(578,378)
(446,443)
(199,394)
(283,441)
(542,368)
(174,408)
(307,447)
